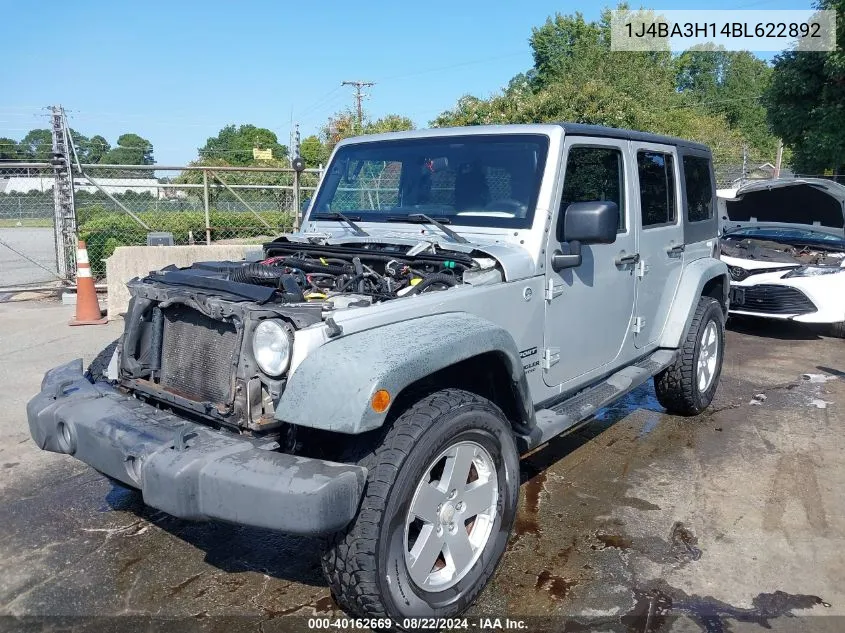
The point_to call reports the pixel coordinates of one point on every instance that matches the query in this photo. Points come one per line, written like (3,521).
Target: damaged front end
(192,350)
(215,340)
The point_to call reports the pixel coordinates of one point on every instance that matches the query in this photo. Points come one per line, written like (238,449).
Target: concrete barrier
(137,261)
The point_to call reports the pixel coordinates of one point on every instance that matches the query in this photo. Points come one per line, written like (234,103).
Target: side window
(593,173)
(657,187)
(699,188)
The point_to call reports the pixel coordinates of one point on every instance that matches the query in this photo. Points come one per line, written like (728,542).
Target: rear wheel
(435,520)
(687,387)
(838,329)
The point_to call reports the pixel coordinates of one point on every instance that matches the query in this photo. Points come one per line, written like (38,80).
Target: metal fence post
(205,206)
(297,217)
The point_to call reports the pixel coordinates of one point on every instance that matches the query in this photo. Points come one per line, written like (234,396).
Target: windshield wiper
(334,215)
(422,218)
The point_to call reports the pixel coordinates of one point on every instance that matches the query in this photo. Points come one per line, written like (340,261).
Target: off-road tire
(837,329)
(96,371)
(366,575)
(677,385)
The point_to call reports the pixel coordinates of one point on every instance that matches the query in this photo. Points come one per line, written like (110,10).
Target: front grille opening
(198,355)
(773,299)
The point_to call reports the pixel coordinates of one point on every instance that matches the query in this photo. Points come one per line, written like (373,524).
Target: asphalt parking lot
(36,243)
(731,521)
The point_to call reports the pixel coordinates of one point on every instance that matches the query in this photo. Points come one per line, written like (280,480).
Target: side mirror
(305,204)
(591,222)
(586,223)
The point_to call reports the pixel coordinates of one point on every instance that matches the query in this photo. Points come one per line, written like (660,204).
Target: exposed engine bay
(338,276)
(214,340)
(763,250)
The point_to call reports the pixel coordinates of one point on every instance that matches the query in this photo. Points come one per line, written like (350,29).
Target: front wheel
(687,387)
(440,503)
(98,368)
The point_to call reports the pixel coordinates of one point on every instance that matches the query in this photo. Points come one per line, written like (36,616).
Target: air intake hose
(256,273)
(263,275)
(444,280)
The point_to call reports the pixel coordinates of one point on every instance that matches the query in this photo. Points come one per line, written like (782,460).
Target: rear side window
(592,174)
(699,188)
(657,187)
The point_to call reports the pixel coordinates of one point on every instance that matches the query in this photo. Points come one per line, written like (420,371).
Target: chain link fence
(119,205)
(27,211)
(737,170)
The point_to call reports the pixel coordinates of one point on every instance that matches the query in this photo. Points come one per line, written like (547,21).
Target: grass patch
(30,223)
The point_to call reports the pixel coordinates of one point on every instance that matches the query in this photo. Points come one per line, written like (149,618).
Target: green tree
(81,143)
(339,126)
(806,102)
(576,77)
(731,84)
(313,152)
(344,125)
(235,144)
(90,150)
(131,149)
(98,147)
(37,145)
(389,123)
(9,149)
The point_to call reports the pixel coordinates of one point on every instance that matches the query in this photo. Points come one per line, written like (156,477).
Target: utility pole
(359,97)
(64,220)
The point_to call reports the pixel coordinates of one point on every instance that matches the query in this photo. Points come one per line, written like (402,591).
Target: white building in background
(114,186)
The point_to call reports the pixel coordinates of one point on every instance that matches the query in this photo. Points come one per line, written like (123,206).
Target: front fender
(695,277)
(333,387)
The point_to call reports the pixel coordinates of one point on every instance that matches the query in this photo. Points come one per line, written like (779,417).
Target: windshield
(473,180)
(786,235)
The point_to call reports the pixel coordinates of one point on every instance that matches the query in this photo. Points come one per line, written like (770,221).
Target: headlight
(271,347)
(811,271)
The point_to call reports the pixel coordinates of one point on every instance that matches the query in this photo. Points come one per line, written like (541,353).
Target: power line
(451,66)
(318,103)
(359,96)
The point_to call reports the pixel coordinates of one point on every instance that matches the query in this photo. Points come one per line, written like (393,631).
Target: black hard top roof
(629,135)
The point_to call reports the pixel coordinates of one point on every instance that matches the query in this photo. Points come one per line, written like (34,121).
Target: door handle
(675,249)
(624,260)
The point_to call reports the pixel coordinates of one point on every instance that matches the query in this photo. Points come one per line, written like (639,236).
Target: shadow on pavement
(232,548)
(774,328)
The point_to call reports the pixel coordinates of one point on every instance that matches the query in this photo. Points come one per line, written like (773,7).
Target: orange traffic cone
(87,309)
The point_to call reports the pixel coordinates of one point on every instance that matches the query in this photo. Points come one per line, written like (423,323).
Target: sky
(176,72)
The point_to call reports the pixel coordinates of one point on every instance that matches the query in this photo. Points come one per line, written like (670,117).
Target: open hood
(811,203)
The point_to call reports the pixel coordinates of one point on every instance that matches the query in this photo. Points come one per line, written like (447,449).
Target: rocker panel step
(567,415)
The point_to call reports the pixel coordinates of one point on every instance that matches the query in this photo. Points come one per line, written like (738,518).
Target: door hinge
(553,290)
(642,268)
(551,356)
(637,325)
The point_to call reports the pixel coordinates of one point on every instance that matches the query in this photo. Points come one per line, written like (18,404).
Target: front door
(660,239)
(588,308)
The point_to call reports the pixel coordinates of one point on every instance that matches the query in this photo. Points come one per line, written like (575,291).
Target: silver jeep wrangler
(455,298)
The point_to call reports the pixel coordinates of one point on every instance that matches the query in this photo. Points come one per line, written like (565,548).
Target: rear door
(660,238)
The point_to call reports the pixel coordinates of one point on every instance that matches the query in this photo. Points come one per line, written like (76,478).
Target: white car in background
(784,243)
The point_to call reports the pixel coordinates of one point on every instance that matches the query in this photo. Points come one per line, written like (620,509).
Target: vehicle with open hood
(456,297)
(784,243)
